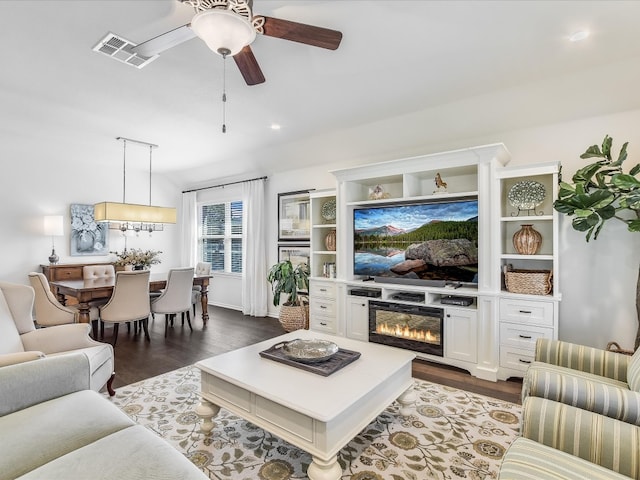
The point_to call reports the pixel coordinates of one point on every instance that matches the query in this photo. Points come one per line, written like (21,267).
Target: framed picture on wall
(297,254)
(294,216)
(88,237)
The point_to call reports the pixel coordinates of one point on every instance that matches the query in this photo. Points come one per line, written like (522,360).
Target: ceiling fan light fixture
(223,30)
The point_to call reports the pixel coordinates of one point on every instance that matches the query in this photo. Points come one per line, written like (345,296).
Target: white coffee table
(315,413)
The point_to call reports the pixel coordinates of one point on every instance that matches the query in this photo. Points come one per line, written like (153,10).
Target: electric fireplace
(413,327)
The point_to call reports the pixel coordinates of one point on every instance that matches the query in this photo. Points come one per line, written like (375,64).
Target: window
(220,236)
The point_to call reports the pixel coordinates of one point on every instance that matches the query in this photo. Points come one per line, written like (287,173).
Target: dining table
(87,290)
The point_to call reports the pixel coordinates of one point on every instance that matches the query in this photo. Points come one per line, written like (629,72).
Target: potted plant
(294,282)
(137,259)
(601,191)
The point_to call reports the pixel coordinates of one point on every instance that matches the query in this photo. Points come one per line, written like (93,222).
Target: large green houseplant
(601,191)
(294,282)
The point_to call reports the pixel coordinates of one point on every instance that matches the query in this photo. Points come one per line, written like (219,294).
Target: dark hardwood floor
(138,359)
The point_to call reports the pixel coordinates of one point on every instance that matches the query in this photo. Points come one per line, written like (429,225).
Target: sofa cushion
(528,459)
(132,453)
(633,372)
(34,436)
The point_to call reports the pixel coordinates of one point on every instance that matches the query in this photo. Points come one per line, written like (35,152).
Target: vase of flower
(527,240)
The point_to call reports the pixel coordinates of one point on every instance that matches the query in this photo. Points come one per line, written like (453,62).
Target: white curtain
(254,258)
(189,232)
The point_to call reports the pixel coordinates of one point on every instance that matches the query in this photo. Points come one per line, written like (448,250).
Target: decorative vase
(128,268)
(330,241)
(527,240)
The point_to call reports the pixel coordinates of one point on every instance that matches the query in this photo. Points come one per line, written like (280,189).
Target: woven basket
(531,282)
(294,317)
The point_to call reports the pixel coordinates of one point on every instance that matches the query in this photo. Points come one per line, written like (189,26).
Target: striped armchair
(591,379)
(562,442)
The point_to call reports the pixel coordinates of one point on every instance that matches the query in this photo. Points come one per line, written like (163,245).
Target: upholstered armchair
(588,378)
(559,441)
(202,268)
(20,341)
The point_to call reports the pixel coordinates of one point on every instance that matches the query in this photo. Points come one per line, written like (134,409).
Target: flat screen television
(432,242)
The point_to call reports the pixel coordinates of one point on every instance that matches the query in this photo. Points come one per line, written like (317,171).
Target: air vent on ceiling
(120,49)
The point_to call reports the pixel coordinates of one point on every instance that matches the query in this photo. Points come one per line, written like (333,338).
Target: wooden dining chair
(176,297)
(128,303)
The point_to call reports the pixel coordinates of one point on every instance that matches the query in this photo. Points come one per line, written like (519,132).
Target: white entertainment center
(492,332)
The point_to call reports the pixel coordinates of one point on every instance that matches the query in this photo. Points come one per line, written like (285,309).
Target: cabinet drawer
(526,312)
(71,273)
(322,323)
(322,289)
(515,358)
(321,306)
(522,336)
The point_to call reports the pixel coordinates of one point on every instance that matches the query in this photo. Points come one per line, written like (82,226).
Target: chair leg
(166,325)
(115,333)
(101,329)
(189,320)
(128,327)
(145,326)
(183,319)
(194,310)
(110,389)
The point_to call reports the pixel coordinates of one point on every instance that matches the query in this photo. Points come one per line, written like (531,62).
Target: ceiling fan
(228,27)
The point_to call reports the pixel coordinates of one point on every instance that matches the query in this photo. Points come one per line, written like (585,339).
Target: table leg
(324,469)
(207,410)
(83,317)
(204,301)
(406,400)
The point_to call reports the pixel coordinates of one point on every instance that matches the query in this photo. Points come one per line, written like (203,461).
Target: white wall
(598,279)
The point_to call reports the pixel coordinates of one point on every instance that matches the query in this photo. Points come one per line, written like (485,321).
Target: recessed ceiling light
(578,36)
(275,126)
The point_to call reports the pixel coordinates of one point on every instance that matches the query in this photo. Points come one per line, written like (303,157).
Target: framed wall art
(294,216)
(297,254)
(88,237)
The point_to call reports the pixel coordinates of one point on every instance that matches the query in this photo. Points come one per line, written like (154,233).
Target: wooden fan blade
(302,33)
(248,66)
(165,41)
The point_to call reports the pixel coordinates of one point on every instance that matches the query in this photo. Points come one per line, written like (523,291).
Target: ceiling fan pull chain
(224,91)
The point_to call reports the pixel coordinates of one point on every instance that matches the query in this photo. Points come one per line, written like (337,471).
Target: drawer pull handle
(528,337)
(524,361)
(323,289)
(526,311)
(323,307)
(323,324)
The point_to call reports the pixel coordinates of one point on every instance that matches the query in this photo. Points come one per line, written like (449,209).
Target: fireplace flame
(406,332)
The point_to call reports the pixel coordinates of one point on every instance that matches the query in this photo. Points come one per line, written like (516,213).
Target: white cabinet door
(460,334)
(358,318)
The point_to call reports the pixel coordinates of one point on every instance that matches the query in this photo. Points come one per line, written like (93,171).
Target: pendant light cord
(150,154)
(124,171)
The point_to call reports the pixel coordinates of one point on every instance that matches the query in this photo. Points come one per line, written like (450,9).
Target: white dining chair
(176,297)
(96,272)
(202,268)
(128,303)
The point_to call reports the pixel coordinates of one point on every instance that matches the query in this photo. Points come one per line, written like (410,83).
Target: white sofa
(20,341)
(53,426)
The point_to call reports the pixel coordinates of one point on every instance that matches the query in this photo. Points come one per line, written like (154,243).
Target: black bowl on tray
(309,351)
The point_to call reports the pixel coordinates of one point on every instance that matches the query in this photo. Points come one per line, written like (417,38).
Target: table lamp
(53,225)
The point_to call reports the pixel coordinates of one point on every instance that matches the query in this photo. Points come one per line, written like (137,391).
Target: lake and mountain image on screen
(427,241)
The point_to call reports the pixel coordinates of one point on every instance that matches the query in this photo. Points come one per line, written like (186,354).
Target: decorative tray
(335,362)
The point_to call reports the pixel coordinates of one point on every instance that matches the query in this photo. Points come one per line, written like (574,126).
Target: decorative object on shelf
(130,216)
(294,282)
(441,185)
(137,259)
(54,227)
(293,216)
(530,282)
(328,210)
(88,237)
(527,240)
(526,195)
(602,191)
(330,241)
(378,193)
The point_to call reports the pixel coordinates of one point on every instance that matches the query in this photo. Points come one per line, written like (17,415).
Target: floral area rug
(450,434)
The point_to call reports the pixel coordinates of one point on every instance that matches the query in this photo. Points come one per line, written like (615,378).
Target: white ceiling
(396,58)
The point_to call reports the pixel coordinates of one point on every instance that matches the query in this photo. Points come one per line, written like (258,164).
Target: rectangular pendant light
(131,212)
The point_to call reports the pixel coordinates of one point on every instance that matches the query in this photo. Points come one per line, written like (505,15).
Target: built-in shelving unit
(478,337)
